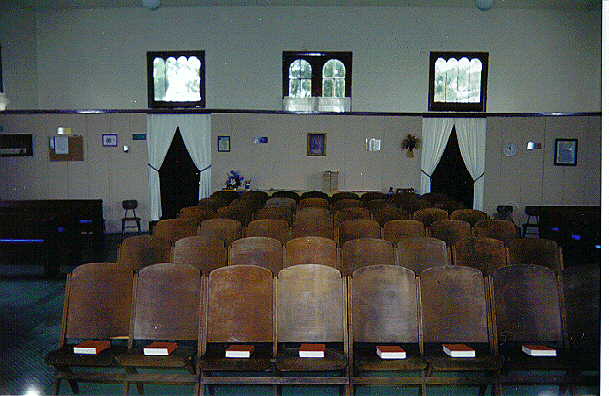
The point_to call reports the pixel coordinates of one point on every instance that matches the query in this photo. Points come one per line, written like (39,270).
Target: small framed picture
(223,144)
(565,152)
(316,144)
(110,140)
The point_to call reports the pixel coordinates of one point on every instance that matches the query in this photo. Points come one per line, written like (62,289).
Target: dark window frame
(1,80)
(457,106)
(151,55)
(317,59)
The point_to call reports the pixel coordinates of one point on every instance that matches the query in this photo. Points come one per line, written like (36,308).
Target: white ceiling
(67,4)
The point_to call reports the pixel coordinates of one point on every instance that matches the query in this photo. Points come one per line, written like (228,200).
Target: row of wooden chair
(450,231)
(313,303)
(417,253)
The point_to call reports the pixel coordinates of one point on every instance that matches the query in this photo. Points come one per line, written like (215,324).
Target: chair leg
(277,390)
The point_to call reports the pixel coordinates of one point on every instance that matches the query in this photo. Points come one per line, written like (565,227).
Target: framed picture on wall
(110,140)
(316,144)
(223,144)
(565,152)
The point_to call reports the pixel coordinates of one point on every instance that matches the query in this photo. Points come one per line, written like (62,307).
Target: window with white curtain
(176,79)
(458,81)
(317,81)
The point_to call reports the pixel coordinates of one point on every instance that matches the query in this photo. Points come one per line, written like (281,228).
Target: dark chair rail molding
(252,111)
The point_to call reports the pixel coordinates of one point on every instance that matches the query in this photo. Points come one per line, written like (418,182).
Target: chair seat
(132,218)
(235,364)
(66,357)
(370,362)
(288,360)
(484,362)
(180,358)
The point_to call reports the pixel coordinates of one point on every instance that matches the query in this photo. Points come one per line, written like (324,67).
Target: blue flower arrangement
(234,179)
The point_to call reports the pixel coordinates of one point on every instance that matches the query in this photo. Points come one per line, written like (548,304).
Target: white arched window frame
(333,81)
(300,79)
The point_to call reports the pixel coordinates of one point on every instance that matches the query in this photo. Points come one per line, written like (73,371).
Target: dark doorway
(451,177)
(179,179)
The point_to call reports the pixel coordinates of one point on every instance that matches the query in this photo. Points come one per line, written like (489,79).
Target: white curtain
(471,134)
(436,132)
(196,132)
(161,129)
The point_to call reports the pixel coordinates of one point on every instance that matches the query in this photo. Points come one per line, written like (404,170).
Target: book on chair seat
(538,350)
(390,352)
(239,351)
(91,347)
(312,350)
(158,348)
(458,350)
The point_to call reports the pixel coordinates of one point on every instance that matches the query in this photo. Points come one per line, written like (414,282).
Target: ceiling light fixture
(151,4)
(484,5)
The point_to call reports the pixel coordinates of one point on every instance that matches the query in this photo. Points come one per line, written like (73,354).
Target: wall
(528,178)
(18,42)
(540,60)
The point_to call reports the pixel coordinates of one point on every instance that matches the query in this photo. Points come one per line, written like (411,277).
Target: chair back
(136,252)
(485,254)
(173,229)
(453,305)
(205,254)
(227,230)
(274,213)
(345,203)
(428,216)
(364,252)
(472,216)
(199,213)
(313,202)
(372,195)
(167,302)
(310,304)
(544,252)
(502,230)
(418,254)
(211,204)
(388,213)
(311,250)
(527,304)
(450,231)
(287,194)
(358,228)
(394,230)
(314,194)
(277,229)
(98,301)
(351,213)
(261,251)
(340,195)
(281,202)
(312,222)
(129,204)
(384,305)
(241,212)
(240,307)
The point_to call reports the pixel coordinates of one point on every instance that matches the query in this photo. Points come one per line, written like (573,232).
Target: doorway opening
(179,179)
(451,176)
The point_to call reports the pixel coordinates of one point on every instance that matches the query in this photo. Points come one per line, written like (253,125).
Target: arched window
(333,84)
(458,81)
(176,79)
(300,79)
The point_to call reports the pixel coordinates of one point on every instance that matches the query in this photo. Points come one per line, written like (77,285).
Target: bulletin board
(75,151)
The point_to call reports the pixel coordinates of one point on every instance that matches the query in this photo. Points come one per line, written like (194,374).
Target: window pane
(451,80)
(158,73)
(300,68)
(334,68)
(475,79)
(440,80)
(328,88)
(463,86)
(182,80)
(340,88)
(300,87)
(306,88)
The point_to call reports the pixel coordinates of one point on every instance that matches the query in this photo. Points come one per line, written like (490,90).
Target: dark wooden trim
(253,111)
(151,55)
(1,80)
(451,106)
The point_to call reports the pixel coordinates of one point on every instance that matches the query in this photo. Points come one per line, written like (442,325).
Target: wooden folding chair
(311,250)
(344,203)
(485,254)
(97,306)
(274,213)
(227,230)
(450,231)
(529,308)
(167,299)
(394,230)
(472,216)
(502,230)
(384,310)
(201,252)
(358,228)
(363,252)
(428,216)
(313,202)
(276,229)
(388,213)
(341,195)
(138,251)
(455,309)
(544,252)
(418,254)
(311,308)
(261,251)
(312,221)
(240,311)
(197,213)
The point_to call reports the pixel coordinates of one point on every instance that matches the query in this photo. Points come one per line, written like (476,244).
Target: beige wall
(528,178)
